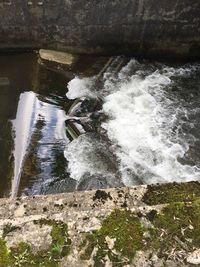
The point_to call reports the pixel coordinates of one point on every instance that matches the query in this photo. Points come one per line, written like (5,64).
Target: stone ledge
(96,223)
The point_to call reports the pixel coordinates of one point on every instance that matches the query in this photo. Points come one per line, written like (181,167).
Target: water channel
(135,123)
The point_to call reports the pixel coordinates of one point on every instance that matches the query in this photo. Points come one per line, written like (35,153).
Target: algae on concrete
(99,231)
(23,256)
(178,225)
(124,230)
(174,192)
(122,234)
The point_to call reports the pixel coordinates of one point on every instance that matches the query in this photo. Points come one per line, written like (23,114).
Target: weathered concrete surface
(156,28)
(88,216)
(57,56)
(59,62)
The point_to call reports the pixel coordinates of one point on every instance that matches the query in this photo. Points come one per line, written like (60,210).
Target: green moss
(178,225)
(22,255)
(61,243)
(125,228)
(168,193)
(4,254)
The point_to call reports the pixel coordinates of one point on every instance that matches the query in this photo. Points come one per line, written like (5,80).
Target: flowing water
(134,123)
(152,124)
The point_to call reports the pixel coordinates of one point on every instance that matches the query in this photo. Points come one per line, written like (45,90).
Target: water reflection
(32,135)
(22,126)
(48,139)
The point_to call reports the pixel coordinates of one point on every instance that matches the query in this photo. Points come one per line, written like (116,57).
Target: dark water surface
(32,103)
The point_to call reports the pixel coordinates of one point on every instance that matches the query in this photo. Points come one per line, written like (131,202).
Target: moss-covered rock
(168,193)
(125,232)
(61,242)
(4,254)
(178,226)
(23,256)
(175,228)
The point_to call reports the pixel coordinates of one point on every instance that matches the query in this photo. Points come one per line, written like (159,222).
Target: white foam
(140,125)
(85,155)
(78,88)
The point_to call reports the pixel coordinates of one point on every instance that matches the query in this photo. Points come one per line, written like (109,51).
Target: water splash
(146,119)
(141,123)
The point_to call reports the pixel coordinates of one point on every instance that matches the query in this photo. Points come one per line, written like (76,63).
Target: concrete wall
(137,227)
(165,28)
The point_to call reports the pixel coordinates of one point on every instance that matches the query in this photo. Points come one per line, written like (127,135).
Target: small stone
(154,258)
(190,240)
(19,212)
(108,263)
(58,202)
(110,242)
(146,235)
(1,233)
(194,257)
(191,227)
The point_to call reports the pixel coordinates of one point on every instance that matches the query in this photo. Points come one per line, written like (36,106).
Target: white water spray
(140,125)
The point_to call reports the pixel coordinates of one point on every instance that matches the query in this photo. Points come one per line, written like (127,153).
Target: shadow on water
(32,137)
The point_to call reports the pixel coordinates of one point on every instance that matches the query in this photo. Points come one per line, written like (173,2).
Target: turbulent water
(152,125)
(132,123)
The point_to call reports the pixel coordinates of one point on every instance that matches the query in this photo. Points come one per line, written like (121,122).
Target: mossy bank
(112,227)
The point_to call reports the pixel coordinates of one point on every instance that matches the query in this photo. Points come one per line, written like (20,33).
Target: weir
(122,131)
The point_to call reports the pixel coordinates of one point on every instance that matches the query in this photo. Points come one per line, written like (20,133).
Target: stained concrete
(162,29)
(85,212)
(57,56)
